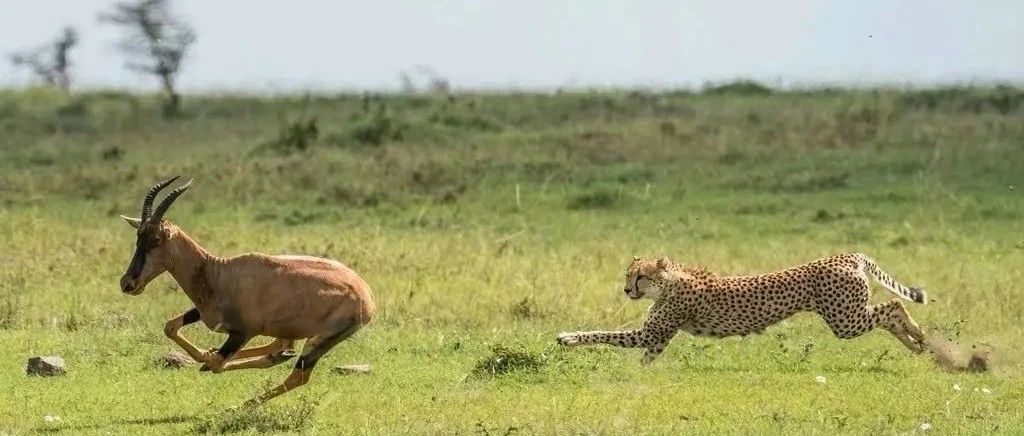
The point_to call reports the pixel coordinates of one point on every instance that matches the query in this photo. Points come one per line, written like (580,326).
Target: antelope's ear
(134,222)
(663,263)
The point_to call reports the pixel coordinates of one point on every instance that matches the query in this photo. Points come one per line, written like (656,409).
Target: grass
(486,224)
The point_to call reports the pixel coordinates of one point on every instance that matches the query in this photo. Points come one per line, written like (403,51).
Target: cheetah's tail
(916,295)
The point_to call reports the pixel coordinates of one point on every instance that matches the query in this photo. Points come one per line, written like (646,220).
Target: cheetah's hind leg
(896,319)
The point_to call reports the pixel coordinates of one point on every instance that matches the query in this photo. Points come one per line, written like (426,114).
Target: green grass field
(486,224)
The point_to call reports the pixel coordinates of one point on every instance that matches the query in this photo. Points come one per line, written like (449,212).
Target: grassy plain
(486,224)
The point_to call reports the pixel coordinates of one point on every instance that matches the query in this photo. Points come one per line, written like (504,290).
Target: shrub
(376,128)
(526,308)
(259,419)
(601,198)
(739,87)
(296,136)
(505,360)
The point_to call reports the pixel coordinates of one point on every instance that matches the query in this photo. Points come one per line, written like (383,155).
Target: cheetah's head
(650,278)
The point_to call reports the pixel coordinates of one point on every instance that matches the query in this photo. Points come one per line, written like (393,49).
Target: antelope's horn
(166,203)
(147,204)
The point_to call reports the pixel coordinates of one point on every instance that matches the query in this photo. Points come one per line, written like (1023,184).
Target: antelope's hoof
(282,356)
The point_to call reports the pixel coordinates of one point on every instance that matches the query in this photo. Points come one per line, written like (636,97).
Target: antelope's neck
(193,268)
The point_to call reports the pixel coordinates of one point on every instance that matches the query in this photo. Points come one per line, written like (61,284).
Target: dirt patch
(950,356)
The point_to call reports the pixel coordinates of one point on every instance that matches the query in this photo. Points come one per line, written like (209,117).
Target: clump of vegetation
(739,87)
(373,128)
(10,307)
(824,216)
(457,120)
(260,419)
(296,136)
(505,360)
(526,308)
(789,354)
(800,182)
(112,153)
(1003,99)
(598,199)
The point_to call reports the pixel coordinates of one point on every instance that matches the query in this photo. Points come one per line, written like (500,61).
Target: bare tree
(432,81)
(436,82)
(406,83)
(157,43)
(51,62)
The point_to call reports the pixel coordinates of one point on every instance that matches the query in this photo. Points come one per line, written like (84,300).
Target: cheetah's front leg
(656,333)
(628,339)
(654,341)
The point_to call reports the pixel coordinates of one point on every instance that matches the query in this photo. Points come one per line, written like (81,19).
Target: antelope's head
(150,258)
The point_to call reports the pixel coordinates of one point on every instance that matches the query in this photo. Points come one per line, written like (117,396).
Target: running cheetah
(703,304)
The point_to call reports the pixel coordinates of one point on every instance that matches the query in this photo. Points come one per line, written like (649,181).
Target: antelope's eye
(149,240)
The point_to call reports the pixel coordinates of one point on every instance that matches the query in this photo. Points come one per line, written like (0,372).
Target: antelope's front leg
(216,361)
(173,330)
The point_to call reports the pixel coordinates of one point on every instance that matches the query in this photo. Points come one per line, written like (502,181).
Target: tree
(157,43)
(50,62)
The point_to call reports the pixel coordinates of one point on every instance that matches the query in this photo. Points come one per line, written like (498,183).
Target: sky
(266,46)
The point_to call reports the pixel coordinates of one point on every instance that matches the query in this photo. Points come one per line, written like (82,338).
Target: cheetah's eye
(636,283)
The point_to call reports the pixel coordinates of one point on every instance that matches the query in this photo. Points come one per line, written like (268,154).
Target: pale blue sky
(308,44)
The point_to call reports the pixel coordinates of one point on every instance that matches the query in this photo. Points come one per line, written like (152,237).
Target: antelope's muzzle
(128,285)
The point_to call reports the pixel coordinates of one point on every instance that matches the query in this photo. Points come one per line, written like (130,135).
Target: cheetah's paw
(568,339)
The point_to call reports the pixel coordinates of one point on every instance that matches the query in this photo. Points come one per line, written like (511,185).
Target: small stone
(820,379)
(175,360)
(45,366)
(352,369)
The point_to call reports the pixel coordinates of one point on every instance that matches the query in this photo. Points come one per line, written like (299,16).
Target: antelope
(288,298)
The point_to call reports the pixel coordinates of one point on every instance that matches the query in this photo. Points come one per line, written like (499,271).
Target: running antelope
(288,298)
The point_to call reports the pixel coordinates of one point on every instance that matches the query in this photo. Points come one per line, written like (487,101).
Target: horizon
(544,46)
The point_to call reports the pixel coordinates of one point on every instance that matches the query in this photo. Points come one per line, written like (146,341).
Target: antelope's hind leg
(312,351)
(275,346)
(274,353)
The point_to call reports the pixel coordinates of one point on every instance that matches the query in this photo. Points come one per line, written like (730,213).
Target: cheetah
(701,303)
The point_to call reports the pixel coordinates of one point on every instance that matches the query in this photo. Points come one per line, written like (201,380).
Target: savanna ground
(486,224)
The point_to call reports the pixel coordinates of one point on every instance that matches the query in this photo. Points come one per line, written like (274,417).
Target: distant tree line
(155,43)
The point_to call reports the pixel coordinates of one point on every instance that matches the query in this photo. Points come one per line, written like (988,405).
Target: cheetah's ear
(636,258)
(664,263)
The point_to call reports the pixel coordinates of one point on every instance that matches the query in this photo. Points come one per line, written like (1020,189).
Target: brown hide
(286,297)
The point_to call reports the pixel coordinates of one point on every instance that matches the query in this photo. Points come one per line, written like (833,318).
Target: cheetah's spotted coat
(704,304)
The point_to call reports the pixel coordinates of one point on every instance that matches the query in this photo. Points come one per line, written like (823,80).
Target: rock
(45,366)
(175,360)
(352,369)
